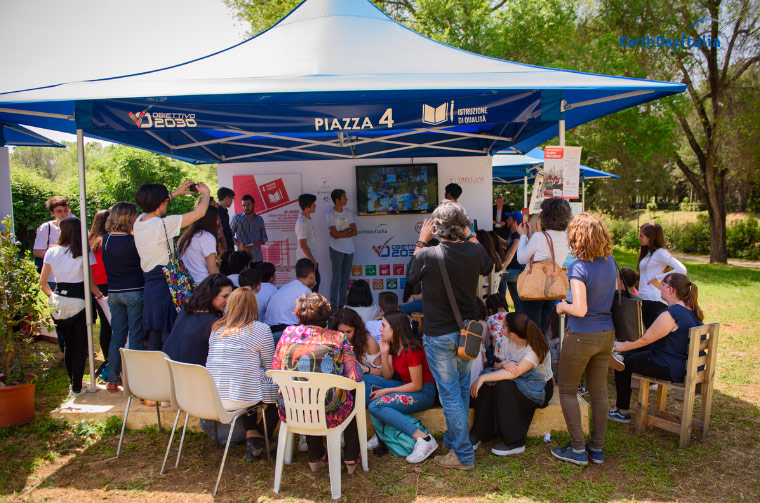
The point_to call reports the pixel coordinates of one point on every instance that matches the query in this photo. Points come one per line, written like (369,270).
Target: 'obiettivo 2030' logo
(145,119)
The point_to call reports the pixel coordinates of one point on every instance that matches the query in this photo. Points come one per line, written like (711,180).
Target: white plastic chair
(194,391)
(144,374)
(303,394)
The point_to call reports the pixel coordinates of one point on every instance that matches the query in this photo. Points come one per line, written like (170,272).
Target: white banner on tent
(562,172)
(276,200)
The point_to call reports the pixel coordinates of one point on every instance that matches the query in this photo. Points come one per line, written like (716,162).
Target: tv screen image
(396,189)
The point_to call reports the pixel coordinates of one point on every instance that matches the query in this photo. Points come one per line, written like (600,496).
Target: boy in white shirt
(307,239)
(342,229)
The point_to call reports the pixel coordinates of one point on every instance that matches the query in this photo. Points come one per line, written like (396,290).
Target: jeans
(414,306)
(393,408)
(105,326)
(509,280)
(452,377)
(589,352)
(126,319)
(538,311)
(341,272)
(639,362)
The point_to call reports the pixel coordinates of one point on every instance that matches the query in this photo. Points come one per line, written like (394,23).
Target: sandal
(351,466)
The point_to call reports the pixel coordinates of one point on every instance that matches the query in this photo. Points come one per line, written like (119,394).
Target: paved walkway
(706,260)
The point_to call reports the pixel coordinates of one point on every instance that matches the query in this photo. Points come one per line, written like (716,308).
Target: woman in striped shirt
(239,355)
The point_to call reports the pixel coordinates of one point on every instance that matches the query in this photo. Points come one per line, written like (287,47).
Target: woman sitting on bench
(662,351)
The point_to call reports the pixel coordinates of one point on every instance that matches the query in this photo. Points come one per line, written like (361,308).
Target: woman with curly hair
(310,347)
(590,334)
(537,246)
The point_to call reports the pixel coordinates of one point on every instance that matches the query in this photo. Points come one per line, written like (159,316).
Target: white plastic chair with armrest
(303,394)
(144,374)
(194,391)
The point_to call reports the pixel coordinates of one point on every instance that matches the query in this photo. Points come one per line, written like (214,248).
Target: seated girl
(309,345)
(630,278)
(522,383)
(662,351)
(360,300)
(240,353)
(188,340)
(390,400)
(366,348)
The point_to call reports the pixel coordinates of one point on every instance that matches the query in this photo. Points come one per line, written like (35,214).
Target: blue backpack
(399,443)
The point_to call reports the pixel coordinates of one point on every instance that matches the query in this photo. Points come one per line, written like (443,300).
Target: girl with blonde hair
(589,337)
(240,352)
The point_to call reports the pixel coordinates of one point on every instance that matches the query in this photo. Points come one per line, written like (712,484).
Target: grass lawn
(52,461)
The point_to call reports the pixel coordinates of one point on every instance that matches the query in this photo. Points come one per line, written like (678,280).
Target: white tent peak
(311,9)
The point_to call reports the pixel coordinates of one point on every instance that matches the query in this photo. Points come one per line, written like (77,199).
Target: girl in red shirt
(406,385)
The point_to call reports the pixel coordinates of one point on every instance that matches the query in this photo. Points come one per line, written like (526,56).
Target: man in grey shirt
(249,231)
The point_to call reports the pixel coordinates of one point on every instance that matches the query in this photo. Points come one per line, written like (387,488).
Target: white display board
(385,243)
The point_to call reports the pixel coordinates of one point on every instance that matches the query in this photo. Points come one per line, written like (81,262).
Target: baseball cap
(516,216)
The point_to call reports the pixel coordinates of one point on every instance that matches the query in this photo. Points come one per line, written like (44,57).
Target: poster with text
(276,200)
(562,172)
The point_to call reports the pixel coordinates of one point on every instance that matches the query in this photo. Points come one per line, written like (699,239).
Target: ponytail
(525,328)
(686,291)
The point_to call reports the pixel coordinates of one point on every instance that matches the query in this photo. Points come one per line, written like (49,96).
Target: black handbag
(470,331)
(626,312)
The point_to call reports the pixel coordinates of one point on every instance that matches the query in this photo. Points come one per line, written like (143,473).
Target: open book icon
(435,115)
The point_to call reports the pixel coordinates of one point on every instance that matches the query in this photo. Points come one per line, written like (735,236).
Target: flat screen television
(396,189)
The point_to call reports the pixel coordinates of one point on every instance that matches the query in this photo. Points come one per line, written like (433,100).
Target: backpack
(399,443)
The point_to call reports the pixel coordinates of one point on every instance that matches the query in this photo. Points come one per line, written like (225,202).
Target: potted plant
(23,311)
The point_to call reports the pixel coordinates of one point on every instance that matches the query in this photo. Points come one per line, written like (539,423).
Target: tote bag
(180,282)
(544,280)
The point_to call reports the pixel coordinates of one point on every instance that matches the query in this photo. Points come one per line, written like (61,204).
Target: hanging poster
(562,171)
(276,201)
(538,194)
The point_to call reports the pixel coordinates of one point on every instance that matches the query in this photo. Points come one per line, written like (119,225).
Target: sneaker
(617,363)
(373,443)
(501,449)
(302,446)
(567,453)
(582,390)
(422,449)
(474,440)
(619,417)
(449,460)
(595,455)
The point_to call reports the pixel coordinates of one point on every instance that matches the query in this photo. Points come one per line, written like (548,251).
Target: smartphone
(374,388)
(193,188)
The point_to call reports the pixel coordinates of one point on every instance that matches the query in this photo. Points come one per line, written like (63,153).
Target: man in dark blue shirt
(226,197)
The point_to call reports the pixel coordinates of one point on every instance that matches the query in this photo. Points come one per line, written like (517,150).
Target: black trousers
(74,333)
(350,448)
(501,409)
(251,422)
(649,311)
(636,362)
(105,327)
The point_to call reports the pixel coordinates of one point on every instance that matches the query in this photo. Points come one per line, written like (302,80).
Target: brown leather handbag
(544,280)
(470,331)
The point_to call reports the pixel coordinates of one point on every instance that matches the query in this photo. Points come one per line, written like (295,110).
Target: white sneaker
(422,449)
(302,447)
(373,443)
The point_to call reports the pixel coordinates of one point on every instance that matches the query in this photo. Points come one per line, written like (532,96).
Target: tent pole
(85,256)
(562,133)
(525,191)
(583,194)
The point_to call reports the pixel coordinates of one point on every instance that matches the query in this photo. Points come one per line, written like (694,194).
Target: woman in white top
(64,261)
(521,349)
(360,300)
(198,246)
(654,261)
(366,348)
(555,215)
(240,352)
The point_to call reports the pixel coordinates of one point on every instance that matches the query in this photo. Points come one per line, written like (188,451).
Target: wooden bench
(699,369)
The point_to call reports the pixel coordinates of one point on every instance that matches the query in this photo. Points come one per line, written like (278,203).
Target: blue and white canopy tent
(15,135)
(333,79)
(521,169)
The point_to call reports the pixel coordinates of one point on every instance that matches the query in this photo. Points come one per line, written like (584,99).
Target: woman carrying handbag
(535,250)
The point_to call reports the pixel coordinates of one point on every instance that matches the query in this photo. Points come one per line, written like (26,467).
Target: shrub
(695,237)
(618,228)
(631,240)
(30,191)
(743,239)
